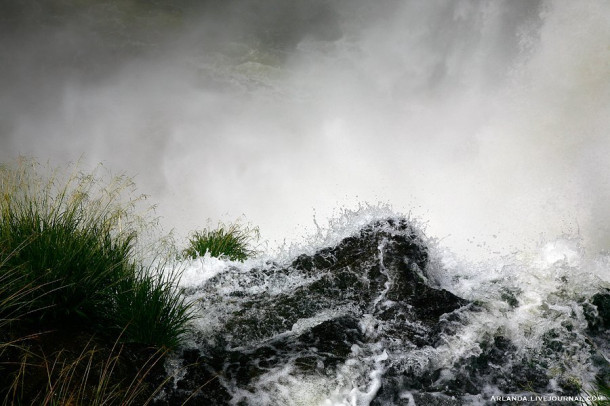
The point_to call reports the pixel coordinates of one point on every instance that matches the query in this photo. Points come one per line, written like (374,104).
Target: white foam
(197,271)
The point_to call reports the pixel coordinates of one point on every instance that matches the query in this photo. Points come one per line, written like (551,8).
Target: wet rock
(597,314)
(365,303)
(380,272)
(598,311)
(198,386)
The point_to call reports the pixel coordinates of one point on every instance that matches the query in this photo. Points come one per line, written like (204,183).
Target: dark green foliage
(151,309)
(77,267)
(230,242)
(67,257)
(79,312)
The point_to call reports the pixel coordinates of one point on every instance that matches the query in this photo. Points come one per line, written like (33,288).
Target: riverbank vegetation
(83,316)
(233,242)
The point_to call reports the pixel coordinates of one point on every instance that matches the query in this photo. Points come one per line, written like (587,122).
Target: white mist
(489,121)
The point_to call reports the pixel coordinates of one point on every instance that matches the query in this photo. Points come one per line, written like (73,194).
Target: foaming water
(535,300)
(529,295)
(486,121)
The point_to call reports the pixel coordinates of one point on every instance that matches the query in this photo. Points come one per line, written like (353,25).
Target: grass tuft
(65,238)
(67,256)
(72,273)
(231,242)
(74,291)
(151,308)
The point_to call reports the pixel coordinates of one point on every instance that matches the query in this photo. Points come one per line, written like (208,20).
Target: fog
(486,120)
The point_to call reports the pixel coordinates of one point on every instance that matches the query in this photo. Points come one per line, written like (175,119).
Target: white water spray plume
(488,120)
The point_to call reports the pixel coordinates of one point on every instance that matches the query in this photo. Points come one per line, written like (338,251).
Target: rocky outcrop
(366,303)
(380,273)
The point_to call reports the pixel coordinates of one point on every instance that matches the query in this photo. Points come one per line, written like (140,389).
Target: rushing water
(488,121)
(525,331)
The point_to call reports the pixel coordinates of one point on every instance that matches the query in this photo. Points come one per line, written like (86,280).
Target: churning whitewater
(488,122)
(373,312)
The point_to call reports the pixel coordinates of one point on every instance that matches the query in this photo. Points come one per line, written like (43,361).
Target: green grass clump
(76,294)
(152,309)
(68,256)
(231,242)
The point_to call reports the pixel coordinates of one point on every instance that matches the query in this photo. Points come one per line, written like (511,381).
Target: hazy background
(488,120)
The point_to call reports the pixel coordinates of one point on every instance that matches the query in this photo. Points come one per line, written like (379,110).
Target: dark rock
(510,296)
(381,271)
(371,290)
(199,385)
(496,366)
(597,312)
(436,399)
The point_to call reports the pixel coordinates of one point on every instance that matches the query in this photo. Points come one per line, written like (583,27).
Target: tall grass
(231,242)
(70,274)
(67,244)
(13,296)
(151,308)
(92,376)
(64,237)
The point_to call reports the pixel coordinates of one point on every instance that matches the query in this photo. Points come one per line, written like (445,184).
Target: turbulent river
(481,128)
(373,312)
